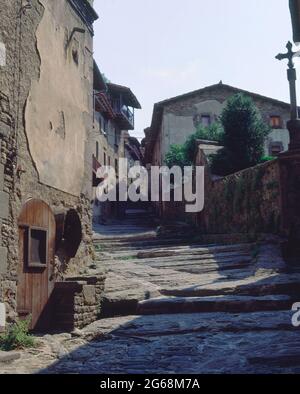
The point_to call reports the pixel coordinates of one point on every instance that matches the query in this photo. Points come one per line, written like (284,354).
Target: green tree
(244,136)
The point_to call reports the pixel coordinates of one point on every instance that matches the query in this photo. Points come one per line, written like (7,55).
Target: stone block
(2,317)
(4,203)
(4,128)
(89,295)
(1,177)
(2,54)
(6,357)
(3,260)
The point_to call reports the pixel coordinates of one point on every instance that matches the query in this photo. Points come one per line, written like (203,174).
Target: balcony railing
(124,110)
(128,113)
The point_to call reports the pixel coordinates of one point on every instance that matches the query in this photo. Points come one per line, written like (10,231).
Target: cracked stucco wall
(40,143)
(55,120)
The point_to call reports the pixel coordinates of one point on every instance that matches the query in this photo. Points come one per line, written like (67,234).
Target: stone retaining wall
(245,202)
(248,202)
(77,302)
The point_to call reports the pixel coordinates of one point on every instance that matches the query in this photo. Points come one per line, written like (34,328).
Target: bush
(244,136)
(214,132)
(176,156)
(17,337)
(264,159)
(184,155)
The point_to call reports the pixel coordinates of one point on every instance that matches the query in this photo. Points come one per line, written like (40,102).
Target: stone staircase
(151,275)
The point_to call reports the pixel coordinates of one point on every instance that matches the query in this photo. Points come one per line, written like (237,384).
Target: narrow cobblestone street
(173,305)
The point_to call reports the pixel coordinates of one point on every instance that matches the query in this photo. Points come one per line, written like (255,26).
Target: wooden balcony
(124,115)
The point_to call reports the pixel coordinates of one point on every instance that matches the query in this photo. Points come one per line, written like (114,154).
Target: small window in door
(37,250)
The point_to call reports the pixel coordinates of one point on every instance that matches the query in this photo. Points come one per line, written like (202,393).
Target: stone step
(171,247)
(137,244)
(8,357)
(228,303)
(181,259)
(194,250)
(166,252)
(165,325)
(274,285)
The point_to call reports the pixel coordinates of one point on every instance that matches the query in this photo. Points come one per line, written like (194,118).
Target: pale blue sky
(163,48)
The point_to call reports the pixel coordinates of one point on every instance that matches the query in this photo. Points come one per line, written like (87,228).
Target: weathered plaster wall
(179,126)
(57,118)
(27,153)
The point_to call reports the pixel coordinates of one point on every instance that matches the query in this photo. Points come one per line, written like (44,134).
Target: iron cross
(292,77)
(289,55)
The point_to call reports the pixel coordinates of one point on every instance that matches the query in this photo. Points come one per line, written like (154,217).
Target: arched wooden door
(36,263)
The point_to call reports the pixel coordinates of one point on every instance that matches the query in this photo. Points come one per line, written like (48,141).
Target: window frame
(274,126)
(28,229)
(205,116)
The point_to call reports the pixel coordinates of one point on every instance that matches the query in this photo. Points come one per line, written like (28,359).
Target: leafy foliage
(244,136)
(183,155)
(214,132)
(264,159)
(176,156)
(17,337)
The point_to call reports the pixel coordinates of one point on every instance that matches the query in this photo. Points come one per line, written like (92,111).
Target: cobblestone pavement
(186,308)
(263,342)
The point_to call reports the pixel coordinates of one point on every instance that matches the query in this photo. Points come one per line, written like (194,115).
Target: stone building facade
(46,115)
(114,107)
(175,119)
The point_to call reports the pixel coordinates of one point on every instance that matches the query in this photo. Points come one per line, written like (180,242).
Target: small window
(205,120)
(109,160)
(275,122)
(37,251)
(104,158)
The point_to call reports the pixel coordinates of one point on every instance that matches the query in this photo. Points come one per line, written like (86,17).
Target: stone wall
(77,302)
(246,202)
(20,169)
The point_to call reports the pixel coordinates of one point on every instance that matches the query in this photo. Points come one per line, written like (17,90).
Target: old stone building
(177,118)
(114,107)
(46,116)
